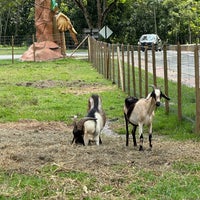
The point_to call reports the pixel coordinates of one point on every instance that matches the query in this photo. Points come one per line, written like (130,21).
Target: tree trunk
(103,8)
(85,13)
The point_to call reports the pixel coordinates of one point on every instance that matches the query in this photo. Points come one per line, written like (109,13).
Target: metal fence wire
(134,70)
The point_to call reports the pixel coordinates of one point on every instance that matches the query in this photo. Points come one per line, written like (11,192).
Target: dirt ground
(26,146)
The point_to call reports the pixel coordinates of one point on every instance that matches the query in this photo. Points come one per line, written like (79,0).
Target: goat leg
(141,143)
(134,137)
(150,135)
(141,137)
(100,141)
(127,133)
(72,140)
(150,138)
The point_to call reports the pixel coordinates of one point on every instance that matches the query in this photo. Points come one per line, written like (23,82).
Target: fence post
(105,59)
(179,82)
(128,67)
(197,87)
(146,71)
(120,69)
(154,65)
(133,70)
(109,61)
(165,77)
(12,42)
(140,72)
(98,53)
(123,68)
(113,64)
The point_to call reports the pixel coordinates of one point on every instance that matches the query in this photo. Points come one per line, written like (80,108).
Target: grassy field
(56,91)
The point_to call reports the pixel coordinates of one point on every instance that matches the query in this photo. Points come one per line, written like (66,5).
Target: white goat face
(157,96)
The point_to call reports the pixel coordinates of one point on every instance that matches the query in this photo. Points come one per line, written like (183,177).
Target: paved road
(9,57)
(187,63)
(76,54)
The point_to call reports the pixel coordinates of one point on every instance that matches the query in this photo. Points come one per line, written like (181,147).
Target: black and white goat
(89,128)
(139,112)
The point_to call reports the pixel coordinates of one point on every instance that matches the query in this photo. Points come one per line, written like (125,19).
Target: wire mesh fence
(175,68)
(133,70)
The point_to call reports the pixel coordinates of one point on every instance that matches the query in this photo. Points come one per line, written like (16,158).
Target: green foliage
(170,185)
(173,20)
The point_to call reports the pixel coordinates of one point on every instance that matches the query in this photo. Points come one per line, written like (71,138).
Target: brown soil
(26,146)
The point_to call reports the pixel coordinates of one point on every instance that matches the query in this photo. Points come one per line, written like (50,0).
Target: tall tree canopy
(173,20)
(96,11)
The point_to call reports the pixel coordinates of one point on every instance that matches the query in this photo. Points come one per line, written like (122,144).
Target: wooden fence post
(165,77)
(120,69)
(12,42)
(98,53)
(197,87)
(105,59)
(140,72)
(128,69)
(123,68)
(179,82)
(113,63)
(154,65)
(133,70)
(146,71)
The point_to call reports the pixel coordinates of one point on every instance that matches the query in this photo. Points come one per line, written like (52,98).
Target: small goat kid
(139,112)
(89,128)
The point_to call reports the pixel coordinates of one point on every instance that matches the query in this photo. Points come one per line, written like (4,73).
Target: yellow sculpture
(63,24)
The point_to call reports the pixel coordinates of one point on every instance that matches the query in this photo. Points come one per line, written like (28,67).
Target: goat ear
(165,96)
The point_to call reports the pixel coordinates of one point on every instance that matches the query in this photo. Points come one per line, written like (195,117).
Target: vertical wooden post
(33,39)
(105,59)
(120,69)
(128,68)
(97,46)
(140,71)
(123,68)
(154,65)
(179,92)
(12,42)
(197,87)
(101,57)
(109,62)
(146,71)
(165,77)
(62,43)
(113,63)
(133,70)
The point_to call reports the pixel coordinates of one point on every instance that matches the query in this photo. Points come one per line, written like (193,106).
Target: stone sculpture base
(44,51)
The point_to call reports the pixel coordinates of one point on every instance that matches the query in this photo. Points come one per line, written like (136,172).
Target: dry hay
(26,146)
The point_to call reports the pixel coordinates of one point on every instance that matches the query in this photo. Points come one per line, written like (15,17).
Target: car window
(149,38)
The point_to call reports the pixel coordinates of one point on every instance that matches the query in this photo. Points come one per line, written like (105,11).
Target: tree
(95,16)
(183,20)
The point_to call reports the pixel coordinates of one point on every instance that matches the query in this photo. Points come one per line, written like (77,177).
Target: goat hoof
(141,148)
